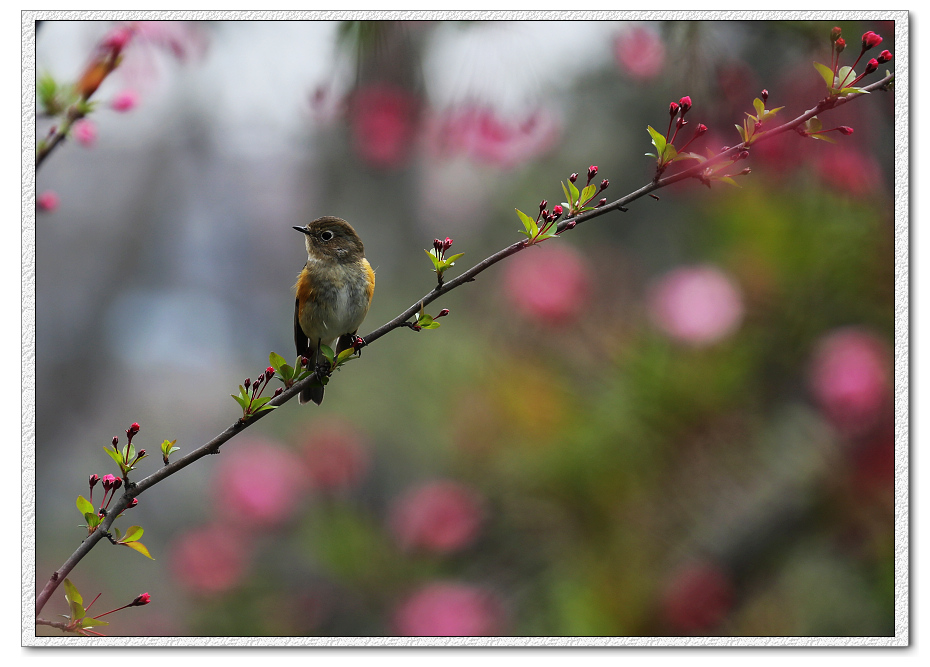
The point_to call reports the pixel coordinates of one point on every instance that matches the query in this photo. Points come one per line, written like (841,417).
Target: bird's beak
(302,229)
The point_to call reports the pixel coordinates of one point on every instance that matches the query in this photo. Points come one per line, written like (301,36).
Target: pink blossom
(696,305)
(258,483)
(697,598)
(127,100)
(47,201)
(383,119)
(550,284)
(441,516)
(482,135)
(850,378)
(447,609)
(85,132)
(849,170)
(183,39)
(335,456)
(640,53)
(209,561)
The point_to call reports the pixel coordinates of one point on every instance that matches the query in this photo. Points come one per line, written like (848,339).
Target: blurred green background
(672,421)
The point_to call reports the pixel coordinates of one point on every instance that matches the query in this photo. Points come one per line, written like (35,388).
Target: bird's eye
(327,235)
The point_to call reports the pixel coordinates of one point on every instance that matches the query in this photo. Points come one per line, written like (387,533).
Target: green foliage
(167,449)
(835,85)
(78,621)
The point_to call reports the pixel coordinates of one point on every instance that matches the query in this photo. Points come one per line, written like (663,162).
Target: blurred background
(673,421)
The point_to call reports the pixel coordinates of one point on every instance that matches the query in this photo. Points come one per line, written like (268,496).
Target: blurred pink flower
(47,201)
(209,561)
(441,516)
(697,598)
(383,119)
(480,134)
(335,456)
(849,170)
(697,305)
(850,378)
(640,53)
(184,39)
(85,132)
(127,100)
(258,483)
(447,609)
(550,284)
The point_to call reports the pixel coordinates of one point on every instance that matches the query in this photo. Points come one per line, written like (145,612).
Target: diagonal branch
(402,320)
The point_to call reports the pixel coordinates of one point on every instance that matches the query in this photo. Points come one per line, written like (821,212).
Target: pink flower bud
(279,391)
(47,201)
(447,243)
(85,132)
(443,313)
(125,101)
(872,66)
(845,129)
(870,40)
(835,34)
(840,45)
(93,481)
(132,503)
(592,172)
(884,56)
(573,177)
(604,184)
(437,245)
(114,441)
(143,599)
(685,104)
(117,482)
(764,95)
(134,428)
(557,210)
(107,482)
(672,109)
(543,204)
(701,129)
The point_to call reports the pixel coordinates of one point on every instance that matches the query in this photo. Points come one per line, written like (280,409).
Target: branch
(402,320)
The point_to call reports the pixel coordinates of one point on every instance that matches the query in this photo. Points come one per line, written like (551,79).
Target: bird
(333,292)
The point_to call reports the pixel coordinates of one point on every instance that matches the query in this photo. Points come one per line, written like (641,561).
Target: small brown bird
(334,292)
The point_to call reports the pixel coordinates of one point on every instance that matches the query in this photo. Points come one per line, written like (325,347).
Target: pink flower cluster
(640,53)
(550,284)
(439,517)
(384,122)
(450,609)
(696,305)
(850,378)
(335,457)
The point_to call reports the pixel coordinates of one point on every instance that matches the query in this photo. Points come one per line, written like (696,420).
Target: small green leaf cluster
(131,540)
(836,80)
(250,397)
(438,257)
(336,361)
(126,458)
(285,372)
(78,620)
(167,449)
(749,130)
(427,321)
(535,232)
(716,171)
(666,153)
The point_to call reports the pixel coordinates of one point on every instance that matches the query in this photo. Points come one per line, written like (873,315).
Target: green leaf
(670,153)
(823,137)
(243,402)
(742,133)
(115,455)
(71,592)
(727,179)
(450,261)
(276,361)
(587,193)
(259,402)
(345,354)
(138,546)
(528,223)
(85,506)
(573,199)
(263,408)
(92,622)
(826,73)
(286,372)
(133,533)
(770,113)
(845,75)
(328,353)
(853,89)
(433,258)
(658,140)
(567,196)
(759,106)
